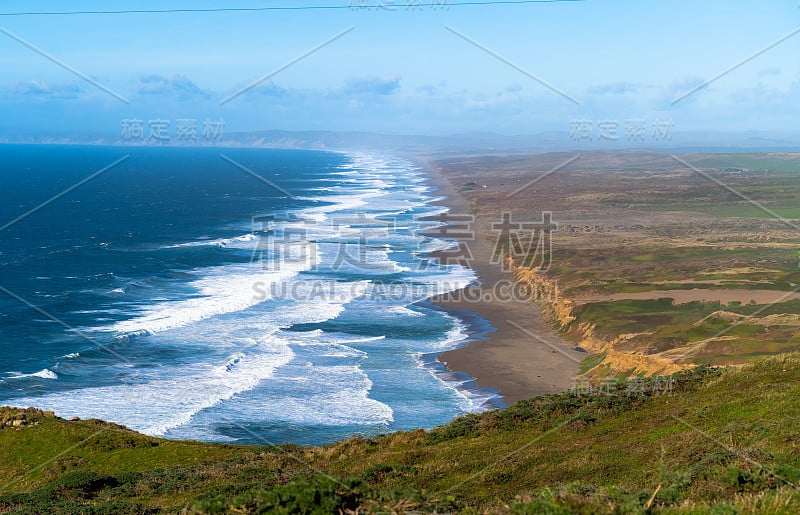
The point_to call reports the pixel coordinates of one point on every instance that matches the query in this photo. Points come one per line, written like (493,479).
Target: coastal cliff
(563,314)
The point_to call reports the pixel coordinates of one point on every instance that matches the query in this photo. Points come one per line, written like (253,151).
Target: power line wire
(380,4)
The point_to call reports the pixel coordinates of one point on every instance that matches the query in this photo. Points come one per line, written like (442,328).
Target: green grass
(592,361)
(788,210)
(640,267)
(660,325)
(710,441)
(788,163)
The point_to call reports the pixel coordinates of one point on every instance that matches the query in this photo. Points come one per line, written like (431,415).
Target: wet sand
(524,356)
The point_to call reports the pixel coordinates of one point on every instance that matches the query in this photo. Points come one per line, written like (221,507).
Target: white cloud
(387,85)
(42,90)
(177,85)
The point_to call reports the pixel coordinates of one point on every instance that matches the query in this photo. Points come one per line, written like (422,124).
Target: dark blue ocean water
(274,298)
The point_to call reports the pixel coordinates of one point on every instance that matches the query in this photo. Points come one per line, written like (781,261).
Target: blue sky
(400,70)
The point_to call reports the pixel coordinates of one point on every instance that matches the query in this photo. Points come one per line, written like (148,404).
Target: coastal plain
(657,262)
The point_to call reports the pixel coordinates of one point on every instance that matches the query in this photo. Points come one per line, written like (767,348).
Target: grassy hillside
(702,441)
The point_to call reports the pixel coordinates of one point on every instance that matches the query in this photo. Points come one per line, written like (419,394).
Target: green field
(662,325)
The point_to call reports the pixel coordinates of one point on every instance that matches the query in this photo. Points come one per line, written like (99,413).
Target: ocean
(254,296)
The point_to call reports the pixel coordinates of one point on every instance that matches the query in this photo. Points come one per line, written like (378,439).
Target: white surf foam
(246,241)
(157,406)
(333,395)
(306,394)
(42,374)
(221,290)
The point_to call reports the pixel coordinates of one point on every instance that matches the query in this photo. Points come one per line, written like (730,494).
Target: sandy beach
(524,356)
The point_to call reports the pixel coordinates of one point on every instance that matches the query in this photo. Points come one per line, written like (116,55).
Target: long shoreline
(477,329)
(524,356)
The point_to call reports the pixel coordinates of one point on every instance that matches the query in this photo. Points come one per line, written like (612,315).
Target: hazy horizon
(628,74)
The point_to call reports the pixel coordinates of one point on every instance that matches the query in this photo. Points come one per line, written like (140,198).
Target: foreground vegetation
(701,441)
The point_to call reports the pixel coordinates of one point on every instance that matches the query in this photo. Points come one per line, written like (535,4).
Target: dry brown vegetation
(710,232)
